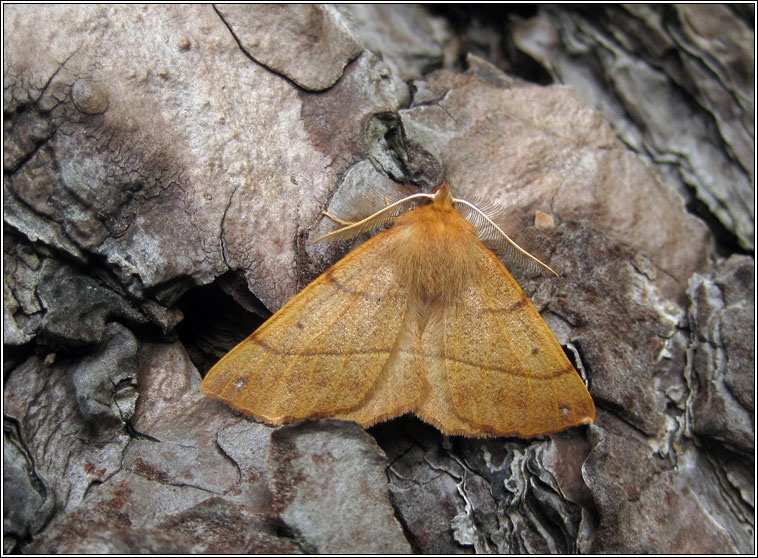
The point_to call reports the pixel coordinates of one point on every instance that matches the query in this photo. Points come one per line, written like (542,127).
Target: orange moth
(421,318)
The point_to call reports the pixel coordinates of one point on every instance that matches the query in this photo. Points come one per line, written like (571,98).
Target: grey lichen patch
(309,44)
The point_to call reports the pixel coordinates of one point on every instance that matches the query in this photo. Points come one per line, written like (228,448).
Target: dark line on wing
(377,351)
(512,308)
(387,293)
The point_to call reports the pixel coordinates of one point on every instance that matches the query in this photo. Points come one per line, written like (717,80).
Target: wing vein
(514,353)
(353,296)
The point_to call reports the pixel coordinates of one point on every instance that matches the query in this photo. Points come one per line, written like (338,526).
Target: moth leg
(337,219)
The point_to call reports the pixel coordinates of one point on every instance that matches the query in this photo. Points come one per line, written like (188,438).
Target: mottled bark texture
(165,170)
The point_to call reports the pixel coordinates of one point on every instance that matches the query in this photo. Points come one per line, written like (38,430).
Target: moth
(421,318)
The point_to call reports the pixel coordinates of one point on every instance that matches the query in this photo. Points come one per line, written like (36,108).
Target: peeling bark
(165,170)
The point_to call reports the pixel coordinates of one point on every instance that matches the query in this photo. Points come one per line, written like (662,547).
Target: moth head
(489,232)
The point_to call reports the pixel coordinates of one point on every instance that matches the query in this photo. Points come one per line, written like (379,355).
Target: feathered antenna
(489,232)
(374,221)
(493,235)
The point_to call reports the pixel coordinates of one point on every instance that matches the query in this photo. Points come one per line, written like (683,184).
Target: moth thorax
(438,255)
